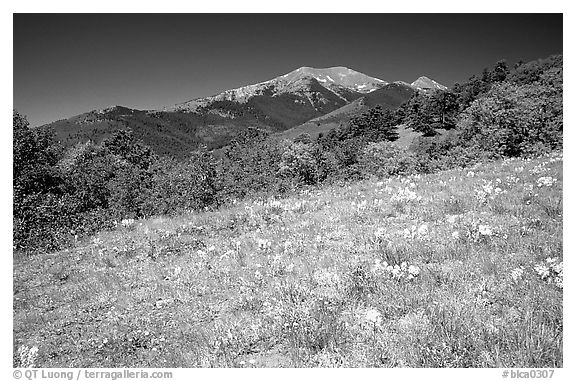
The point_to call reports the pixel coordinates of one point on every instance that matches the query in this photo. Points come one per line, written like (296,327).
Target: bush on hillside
(513,120)
(250,167)
(446,151)
(385,159)
(306,163)
(181,186)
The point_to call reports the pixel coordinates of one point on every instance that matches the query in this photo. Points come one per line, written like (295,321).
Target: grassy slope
(207,290)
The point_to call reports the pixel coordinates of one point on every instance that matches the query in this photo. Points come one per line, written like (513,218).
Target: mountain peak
(336,76)
(339,80)
(425,83)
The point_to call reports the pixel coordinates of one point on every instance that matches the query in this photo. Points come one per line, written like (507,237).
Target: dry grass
(451,271)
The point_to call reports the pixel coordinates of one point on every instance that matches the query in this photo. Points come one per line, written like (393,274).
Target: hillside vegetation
(461,268)
(429,235)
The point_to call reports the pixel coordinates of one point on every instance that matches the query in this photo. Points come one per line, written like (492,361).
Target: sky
(68,64)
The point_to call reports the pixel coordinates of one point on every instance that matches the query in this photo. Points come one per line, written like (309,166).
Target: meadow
(460,268)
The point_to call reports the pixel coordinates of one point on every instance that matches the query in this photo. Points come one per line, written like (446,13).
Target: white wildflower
(546,181)
(127,222)
(396,271)
(373,316)
(409,233)
(542,270)
(27,356)
(414,270)
(405,195)
(517,273)
(423,231)
(264,244)
(485,230)
(380,233)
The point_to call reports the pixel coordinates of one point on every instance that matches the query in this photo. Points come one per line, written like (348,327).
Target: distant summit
(338,76)
(425,83)
(344,83)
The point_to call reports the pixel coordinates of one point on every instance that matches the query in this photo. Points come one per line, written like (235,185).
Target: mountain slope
(167,133)
(319,96)
(293,98)
(389,97)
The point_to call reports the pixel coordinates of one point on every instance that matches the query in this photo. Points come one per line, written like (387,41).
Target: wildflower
(397,272)
(27,356)
(252,361)
(423,231)
(551,271)
(373,316)
(546,181)
(542,270)
(380,233)
(455,234)
(378,265)
(528,187)
(517,273)
(405,195)
(470,174)
(127,222)
(413,270)
(409,233)
(484,230)
(264,244)
(326,278)
(361,205)
(452,219)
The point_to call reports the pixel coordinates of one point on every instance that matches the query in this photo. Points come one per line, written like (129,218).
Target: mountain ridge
(276,105)
(295,81)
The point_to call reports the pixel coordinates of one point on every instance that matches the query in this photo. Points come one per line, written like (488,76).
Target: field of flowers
(462,268)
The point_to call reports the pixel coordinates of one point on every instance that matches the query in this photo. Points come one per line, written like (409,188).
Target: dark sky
(67,64)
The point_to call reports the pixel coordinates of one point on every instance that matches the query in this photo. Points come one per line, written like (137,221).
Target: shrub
(515,120)
(385,159)
(306,164)
(250,167)
(445,151)
(181,186)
